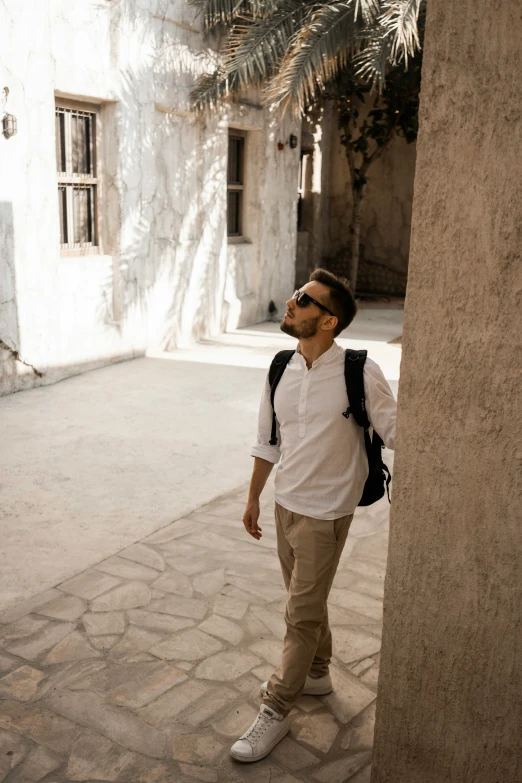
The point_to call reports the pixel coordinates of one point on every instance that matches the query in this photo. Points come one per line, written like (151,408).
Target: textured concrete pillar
(450,691)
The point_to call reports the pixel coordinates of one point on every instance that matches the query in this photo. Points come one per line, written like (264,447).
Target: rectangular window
(235,183)
(303,187)
(77,180)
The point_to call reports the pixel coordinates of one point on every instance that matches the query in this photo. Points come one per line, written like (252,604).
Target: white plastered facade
(166,273)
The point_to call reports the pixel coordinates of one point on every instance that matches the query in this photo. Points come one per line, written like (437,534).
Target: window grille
(77,181)
(235,184)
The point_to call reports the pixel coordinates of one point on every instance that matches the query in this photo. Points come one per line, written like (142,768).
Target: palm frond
(225,12)
(294,48)
(211,90)
(256,47)
(216,12)
(399,19)
(319,50)
(368,9)
(371,62)
(393,39)
(264,7)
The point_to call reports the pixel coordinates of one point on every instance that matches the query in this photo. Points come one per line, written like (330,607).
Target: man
(319,482)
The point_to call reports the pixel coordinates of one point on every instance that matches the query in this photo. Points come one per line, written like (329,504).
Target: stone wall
(324,238)
(386,218)
(450,686)
(165,274)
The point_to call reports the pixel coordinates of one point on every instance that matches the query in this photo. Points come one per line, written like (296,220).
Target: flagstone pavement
(146,667)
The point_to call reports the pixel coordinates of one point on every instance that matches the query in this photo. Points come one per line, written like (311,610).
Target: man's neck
(312,349)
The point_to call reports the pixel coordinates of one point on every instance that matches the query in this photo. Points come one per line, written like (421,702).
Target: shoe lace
(258,728)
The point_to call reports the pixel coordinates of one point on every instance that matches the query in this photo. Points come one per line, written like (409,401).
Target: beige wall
(386,219)
(449,706)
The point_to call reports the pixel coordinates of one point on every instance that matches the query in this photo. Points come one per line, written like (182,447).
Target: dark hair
(340,295)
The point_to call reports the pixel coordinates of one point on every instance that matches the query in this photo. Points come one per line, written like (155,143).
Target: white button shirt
(322,459)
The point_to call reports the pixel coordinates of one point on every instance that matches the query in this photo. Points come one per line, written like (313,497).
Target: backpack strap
(388,480)
(354,379)
(374,448)
(275,374)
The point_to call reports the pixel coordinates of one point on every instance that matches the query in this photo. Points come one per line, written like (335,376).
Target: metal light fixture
(9,123)
(292,143)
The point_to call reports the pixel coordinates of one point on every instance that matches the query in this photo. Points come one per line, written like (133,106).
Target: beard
(302,331)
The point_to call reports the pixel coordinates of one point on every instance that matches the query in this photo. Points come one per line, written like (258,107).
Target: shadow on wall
(168,279)
(9,334)
(11,363)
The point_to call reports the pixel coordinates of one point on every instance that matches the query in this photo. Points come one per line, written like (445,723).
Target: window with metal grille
(77,181)
(235,184)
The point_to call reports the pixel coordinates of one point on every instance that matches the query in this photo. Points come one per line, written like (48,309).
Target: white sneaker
(314,686)
(266,731)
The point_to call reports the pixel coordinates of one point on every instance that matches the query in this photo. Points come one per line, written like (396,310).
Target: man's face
(304,322)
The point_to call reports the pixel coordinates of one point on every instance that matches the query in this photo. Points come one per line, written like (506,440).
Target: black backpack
(379,476)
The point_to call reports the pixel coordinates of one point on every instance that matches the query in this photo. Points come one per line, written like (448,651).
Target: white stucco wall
(166,273)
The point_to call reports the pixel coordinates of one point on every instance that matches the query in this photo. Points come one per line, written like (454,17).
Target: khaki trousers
(309,550)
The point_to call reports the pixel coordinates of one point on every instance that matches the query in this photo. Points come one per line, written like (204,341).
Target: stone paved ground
(146,667)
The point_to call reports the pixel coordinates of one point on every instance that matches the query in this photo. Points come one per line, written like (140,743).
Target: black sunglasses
(302,299)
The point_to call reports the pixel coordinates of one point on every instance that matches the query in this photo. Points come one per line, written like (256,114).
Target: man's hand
(260,474)
(250,518)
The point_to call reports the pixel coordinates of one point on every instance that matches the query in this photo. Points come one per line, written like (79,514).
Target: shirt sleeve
(262,447)
(380,403)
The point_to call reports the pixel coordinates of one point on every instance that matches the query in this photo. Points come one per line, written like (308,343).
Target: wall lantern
(9,125)
(292,143)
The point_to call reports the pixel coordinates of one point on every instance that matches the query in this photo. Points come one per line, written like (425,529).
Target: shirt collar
(330,355)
